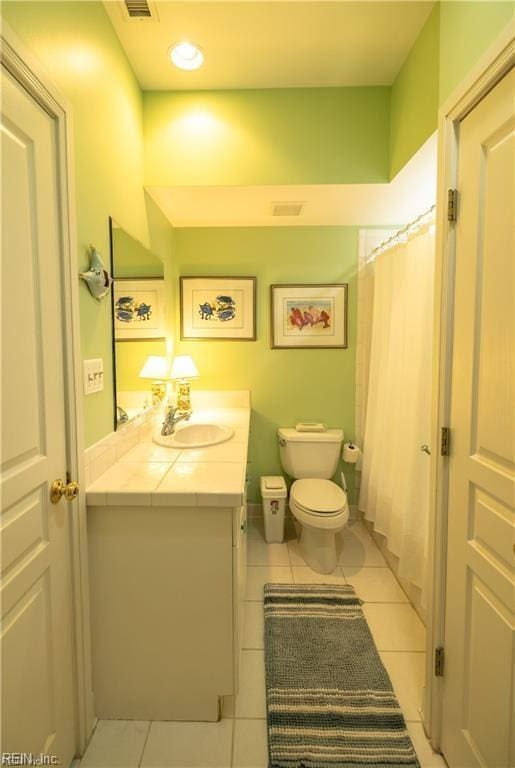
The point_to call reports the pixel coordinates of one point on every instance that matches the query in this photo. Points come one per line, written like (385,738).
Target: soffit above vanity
(272,44)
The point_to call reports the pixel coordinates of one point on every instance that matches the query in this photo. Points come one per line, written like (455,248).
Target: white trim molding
(484,76)
(28,71)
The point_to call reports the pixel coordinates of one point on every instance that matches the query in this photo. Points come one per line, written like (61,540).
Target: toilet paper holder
(351,453)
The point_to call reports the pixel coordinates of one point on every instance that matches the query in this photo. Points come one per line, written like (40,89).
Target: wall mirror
(138,324)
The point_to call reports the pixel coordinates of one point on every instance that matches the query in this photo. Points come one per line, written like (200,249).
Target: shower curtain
(395,475)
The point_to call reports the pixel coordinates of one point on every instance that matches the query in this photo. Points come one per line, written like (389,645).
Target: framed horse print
(139,309)
(218,308)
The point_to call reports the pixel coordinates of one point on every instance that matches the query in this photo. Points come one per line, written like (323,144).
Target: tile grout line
(232,734)
(145,743)
(383,650)
(394,650)
(289,559)
(264,719)
(267,565)
(396,602)
(383,602)
(362,567)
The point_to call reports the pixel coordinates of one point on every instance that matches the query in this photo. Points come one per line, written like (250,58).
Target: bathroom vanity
(167,562)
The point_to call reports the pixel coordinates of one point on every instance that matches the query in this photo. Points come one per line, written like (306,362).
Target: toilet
(318,504)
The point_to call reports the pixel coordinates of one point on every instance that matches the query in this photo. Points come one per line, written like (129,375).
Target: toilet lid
(318,495)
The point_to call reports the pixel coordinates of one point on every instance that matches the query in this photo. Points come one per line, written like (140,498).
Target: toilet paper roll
(351,453)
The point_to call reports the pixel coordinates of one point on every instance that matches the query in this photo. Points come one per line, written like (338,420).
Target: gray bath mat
(330,703)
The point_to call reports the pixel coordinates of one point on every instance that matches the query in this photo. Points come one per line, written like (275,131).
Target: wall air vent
(140,10)
(287,209)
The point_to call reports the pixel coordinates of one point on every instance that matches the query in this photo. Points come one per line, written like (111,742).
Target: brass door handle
(59,488)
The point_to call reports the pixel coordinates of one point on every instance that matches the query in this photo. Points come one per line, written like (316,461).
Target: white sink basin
(195,436)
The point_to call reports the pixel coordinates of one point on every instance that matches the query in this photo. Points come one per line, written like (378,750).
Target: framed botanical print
(218,308)
(309,316)
(139,309)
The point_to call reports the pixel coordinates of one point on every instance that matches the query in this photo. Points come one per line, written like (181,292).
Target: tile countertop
(153,475)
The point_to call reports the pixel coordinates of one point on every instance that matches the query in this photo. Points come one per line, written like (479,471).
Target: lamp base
(158,392)
(183,397)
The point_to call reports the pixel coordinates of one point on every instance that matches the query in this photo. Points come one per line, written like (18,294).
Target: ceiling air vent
(140,10)
(287,209)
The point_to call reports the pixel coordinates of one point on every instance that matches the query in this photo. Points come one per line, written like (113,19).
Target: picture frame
(308,316)
(218,308)
(139,308)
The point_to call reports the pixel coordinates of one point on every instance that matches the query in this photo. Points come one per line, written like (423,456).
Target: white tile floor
(239,740)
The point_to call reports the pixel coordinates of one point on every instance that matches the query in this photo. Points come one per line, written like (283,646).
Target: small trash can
(273,493)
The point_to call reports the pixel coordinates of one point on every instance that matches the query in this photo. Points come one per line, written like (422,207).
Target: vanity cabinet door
(162,611)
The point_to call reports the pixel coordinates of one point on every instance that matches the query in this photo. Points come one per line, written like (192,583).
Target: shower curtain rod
(409,229)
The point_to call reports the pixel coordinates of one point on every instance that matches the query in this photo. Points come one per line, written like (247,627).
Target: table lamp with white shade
(183,369)
(156,368)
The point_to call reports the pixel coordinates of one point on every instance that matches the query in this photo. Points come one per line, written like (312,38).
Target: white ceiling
(273,44)
(408,195)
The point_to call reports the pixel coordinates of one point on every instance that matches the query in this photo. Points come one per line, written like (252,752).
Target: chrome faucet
(171,420)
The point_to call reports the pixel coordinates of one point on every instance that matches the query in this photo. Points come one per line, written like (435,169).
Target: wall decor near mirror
(308,316)
(139,310)
(97,277)
(138,291)
(218,308)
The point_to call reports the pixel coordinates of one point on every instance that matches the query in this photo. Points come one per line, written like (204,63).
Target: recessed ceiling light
(186,55)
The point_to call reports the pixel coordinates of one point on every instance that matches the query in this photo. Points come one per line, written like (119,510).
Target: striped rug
(330,703)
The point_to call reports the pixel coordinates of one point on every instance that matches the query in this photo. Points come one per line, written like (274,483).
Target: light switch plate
(93,375)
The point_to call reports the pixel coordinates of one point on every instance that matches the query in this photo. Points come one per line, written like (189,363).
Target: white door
(37,712)
(477,727)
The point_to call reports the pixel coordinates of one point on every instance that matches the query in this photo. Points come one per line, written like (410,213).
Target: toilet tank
(310,454)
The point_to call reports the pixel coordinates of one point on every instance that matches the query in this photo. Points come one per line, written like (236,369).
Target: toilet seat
(318,497)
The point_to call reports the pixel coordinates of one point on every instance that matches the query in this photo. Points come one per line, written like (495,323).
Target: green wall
(467,29)
(288,385)
(454,37)
(77,45)
(132,259)
(414,96)
(277,136)
(318,135)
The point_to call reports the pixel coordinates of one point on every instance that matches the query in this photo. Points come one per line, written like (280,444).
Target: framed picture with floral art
(308,316)
(218,308)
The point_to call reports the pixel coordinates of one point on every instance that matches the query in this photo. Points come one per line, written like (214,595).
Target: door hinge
(439,661)
(452,205)
(445,444)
